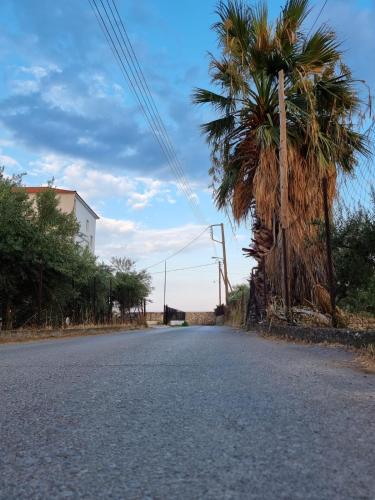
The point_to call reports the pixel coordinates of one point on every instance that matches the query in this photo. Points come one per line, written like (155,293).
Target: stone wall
(317,335)
(200,318)
(154,316)
(193,318)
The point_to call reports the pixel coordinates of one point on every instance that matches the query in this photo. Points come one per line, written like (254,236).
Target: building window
(87,226)
(91,242)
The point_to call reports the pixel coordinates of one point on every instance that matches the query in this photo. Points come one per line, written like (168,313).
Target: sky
(66,113)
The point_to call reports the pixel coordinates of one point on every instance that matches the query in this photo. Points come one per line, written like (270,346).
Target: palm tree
(321,101)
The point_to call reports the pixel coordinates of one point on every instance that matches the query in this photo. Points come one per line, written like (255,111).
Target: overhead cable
(180,250)
(118,40)
(184,268)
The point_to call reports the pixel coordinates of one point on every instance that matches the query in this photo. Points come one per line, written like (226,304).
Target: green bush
(354,259)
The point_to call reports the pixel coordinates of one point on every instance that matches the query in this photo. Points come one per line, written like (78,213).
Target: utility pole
(331,281)
(94,301)
(225,265)
(284,212)
(219,262)
(165,289)
(110,302)
(222,243)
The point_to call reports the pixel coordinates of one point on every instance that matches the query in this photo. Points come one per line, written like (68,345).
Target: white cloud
(116,237)
(40,72)
(96,185)
(48,164)
(24,87)
(34,76)
(8,161)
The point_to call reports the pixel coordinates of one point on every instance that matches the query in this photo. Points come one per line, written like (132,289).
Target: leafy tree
(122,264)
(354,257)
(46,276)
(131,288)
(16,235)
(238,292)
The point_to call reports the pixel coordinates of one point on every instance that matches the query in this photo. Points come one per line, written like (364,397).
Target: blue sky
(66,112)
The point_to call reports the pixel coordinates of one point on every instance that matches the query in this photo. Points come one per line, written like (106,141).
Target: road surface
(195,413)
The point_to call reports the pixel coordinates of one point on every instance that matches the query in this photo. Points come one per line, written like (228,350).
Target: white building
(71,202)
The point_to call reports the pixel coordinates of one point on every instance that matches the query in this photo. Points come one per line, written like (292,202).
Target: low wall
(193,318)
(317,335)
(200,318)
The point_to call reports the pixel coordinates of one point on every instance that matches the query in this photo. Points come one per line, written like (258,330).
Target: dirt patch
(12,336)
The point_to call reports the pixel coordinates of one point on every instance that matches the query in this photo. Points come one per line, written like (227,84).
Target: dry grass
(13,336)
(364,357)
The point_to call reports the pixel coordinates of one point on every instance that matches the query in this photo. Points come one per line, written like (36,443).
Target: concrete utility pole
(284,202)
(222,243)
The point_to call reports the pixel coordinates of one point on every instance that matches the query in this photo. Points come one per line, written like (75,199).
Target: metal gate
(171,314)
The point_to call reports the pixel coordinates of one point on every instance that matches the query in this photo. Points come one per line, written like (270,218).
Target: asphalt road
(195,413)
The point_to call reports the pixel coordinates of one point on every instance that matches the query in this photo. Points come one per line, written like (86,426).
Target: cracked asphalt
(184,413)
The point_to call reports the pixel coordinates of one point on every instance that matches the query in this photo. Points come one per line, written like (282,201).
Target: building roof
(40,189)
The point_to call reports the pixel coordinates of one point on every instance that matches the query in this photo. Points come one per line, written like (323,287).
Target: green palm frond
(218,129)
(219,102)
(317,51)
(290,21)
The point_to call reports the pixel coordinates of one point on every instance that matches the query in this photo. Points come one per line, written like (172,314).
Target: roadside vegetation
(354,257)
(46,277)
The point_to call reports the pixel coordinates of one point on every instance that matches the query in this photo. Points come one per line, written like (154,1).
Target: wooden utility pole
(165,290)
(110,305)
(225,265)
(222,243)
(284,202)
(94,301)
(331,281)
(219,262)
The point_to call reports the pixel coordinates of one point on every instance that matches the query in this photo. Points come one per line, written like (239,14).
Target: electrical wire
(317,17)
(185,268)
(147,91)
(123,50)
(180,250)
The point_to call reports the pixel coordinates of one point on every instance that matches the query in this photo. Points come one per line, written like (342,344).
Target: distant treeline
(46,277)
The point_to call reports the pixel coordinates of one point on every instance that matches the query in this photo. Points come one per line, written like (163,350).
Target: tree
(354,257)
(46,276)
(131,288)
(238,292)
(16,234)
(321,99)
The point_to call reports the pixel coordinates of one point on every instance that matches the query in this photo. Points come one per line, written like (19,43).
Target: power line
(147,91)
(317,17)
(185,268)
(123,50)
(180,250)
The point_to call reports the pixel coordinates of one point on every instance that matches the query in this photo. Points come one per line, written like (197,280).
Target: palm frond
(319,50)
(219,102)
(218,129)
